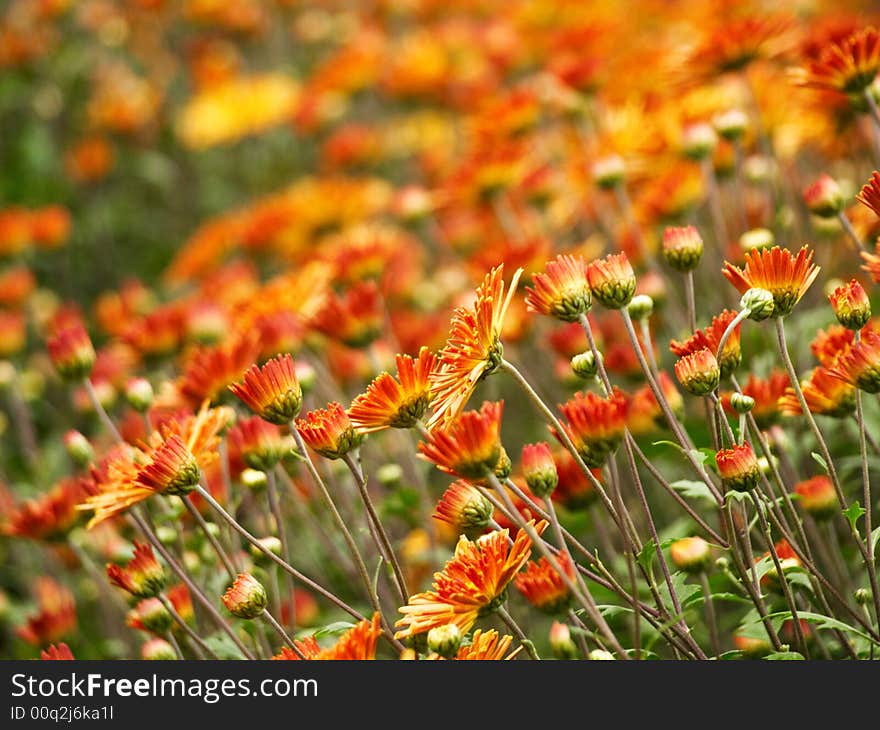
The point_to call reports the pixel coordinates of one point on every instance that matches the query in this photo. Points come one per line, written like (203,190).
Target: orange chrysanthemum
(595,424)
(468,446)
(56,613)
(825,395)
(786,276)
(357,644)
(464,508)
(329,431)
(710,338)
(870,194)
(563,291)
(859,364)
(308,647)
(210,370)
(766,392)
(830,342)
(472,584)
(49,516)
(271,391)
(486,646)
(395,403)
(354,319)
(473,349)
(612,280)
(57,652)
(543,586)
(142,577)
(849,66)
(260,444)
(872,263)
(817,496)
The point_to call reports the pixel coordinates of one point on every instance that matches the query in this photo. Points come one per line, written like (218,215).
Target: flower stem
(275,508)
(99,409)
(215,544)
(269,619)
(866,496)
(518,632)
(710,614)
(850,231)
(691,300)
(187,629)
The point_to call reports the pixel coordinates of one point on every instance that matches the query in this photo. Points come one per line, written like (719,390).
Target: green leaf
(875,538)
(335,629)
(820,622)
(784,656)
(223,647)
(670,444)
(738,496)
(693,490)
(854,513)
(820,461)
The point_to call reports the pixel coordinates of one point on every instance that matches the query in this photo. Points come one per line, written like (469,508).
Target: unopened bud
(691,554)
(723,564)
(167,535)
(253,479)
(824,197)
(600,655)
(157,649)
(756,239)
(862,596)
(445,640)
(608,172)
(561,642)
(503,467)
(585,365)
(699,141)
(759,303)
(641,307)
(139,394)
(731,125)
(742,403)
(271,543)
(78,448)
(390,475)
(246,597)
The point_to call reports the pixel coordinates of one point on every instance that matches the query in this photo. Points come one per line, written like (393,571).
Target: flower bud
(699,141)
(167,535)
(608,172)
(698,373)
(682,248)
(157,649)
(600,655)
(691,554)
(585,365)
(139,394)
(445,640)
(862,596)
(723,564)
(612,280)
(271,543)
(79,449)
(758,169)
(305,375)
(738,468)
(72,353)
(503,467)
(7,374)
(759,302)
(246,597)
(150,615)
(390,475)
(539,469)
(817,497)
(253,479)
(824,197)
(731,125)
(756,239)
(641,307)
(851,305)
(561,642)
(742,403)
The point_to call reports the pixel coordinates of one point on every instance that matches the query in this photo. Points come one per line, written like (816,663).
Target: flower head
(691,554)
(150,615)
(271,391)
(395,403)
(468,446)
(817,497)
(55,616)
(870,194)
(612,280)
(72,352)
(473,583)
(786,276)
(173,469)
(539,469)
(595,424)
(143,577)
(329,431)
(851,305)
(57,652)
(825,394)
(473,349)
(738,467)
(849,66)
(209,371)
(563,291)
(354,319)
(543,586)
(824,197)
(157,649)
(246,597)
(682,248)
(463,507)
(698,373)
(485,646)
(859,365)
(260,443)
(710,338)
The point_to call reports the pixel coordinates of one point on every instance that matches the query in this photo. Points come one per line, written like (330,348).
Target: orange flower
(859,364)
(817,497)
(870,195)
(825,395)
(464,508)
(849,66)
(210,370)
(574,490)
(830,342)
(309,648)
(595,424)
(851,305)
(13,333)
(357,644)
(400,403)
(271,391)
(171,469)
(57,652)
(563,291)
(710,338)
(259,443)
(766,393)
(56,614)
(543,586)
(142,577)
(485,646)
(698,372)
(329,431)
(468,446)
(787,277)
(612,280)
(738,467)
(49,516)
(473,349)
(72,352)
(472,584)
(355,319)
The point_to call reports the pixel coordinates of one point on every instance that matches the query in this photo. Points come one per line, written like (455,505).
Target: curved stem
(99,409)
(269,619)
(850,231)
(278,517)
(518,632)
(711,621)
(215,544)
(187,629)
